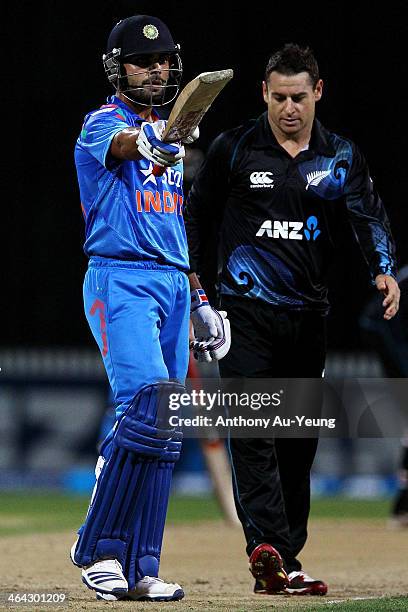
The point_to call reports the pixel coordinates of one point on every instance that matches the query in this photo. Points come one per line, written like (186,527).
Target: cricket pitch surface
(357,559)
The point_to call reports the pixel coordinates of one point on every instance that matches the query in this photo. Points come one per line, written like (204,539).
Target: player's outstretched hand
(151,146)
(212,331)
(389,288)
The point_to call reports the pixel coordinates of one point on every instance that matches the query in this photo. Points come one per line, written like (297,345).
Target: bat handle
(158,170)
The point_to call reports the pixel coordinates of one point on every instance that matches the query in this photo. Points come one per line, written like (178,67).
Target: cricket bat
(219,469)
(216,459)
(191,106)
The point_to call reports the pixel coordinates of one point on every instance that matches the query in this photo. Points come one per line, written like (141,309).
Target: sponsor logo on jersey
(314,178)
(261,180)
(170,177)
(290,230)
(159,202)
(165,201)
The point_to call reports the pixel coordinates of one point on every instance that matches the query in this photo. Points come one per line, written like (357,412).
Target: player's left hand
(212,331)
(389,288)
(218,347)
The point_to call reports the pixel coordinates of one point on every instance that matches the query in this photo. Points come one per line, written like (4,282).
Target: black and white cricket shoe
(147,589)
(105,577)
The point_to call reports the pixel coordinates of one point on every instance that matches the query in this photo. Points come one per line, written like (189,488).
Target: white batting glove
(151,146)
(217,348)
(193,136)
(212,331)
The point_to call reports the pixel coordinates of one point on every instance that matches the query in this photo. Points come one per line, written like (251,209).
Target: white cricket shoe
(148,589)
(105,577)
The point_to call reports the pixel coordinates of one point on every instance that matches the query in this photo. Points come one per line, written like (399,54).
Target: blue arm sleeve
(97,133)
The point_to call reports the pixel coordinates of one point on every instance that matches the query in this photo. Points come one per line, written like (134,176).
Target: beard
(150,91)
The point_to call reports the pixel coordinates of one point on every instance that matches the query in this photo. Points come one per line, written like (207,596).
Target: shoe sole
(179,594)
(118,591)
(270,592)
(100,597)
(266,563)
(314,590)
(268,569)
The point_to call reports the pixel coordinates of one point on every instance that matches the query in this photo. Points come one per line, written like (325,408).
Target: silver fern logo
(314,178)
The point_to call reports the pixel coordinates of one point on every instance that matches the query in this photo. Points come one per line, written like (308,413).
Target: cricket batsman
(137,304)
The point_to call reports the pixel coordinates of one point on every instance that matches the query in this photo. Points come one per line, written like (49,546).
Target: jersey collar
(119,102)
(319,141)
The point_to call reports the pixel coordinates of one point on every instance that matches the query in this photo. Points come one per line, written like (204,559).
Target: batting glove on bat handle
(151,147)
(192,137)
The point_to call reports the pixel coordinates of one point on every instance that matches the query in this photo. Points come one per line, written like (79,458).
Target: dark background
(52,76)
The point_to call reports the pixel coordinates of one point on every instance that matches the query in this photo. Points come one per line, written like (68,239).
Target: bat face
(191,106)
(193,102)
(184,125)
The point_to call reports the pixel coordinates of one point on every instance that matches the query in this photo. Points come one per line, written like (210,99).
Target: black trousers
(271,477)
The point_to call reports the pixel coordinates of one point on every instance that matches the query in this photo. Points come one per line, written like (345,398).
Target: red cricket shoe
(266,566)
(302,584)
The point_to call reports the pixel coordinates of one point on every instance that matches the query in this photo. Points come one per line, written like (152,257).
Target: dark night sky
(56,77)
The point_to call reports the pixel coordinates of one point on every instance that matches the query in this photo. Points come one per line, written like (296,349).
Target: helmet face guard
(158,88)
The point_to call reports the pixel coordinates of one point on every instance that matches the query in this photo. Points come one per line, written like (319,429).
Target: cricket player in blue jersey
(137,303)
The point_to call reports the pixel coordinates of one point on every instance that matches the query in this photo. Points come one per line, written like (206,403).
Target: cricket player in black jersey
(266,200)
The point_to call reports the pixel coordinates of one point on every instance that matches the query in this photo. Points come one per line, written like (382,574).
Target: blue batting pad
(128,480)
(143,557)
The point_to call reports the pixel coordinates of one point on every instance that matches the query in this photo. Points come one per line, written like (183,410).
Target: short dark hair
(292,59)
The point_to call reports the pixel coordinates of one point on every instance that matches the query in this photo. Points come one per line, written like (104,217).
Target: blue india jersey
(129,213)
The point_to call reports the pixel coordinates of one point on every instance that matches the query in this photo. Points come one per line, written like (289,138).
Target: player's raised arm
(124,144)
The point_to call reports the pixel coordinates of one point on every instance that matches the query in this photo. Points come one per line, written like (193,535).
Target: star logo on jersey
(148,173)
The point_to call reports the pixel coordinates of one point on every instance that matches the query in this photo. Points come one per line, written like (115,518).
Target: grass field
(46,512)
(391,604)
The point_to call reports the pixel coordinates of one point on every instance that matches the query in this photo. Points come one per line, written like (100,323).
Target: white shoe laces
(107,565)
(150,579)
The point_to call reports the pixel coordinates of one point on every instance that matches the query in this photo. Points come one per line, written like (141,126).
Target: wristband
(198,299)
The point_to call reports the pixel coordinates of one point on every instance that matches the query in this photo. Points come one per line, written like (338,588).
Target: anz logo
(290,230)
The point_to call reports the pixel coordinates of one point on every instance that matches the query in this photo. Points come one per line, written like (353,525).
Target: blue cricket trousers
(139,315)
